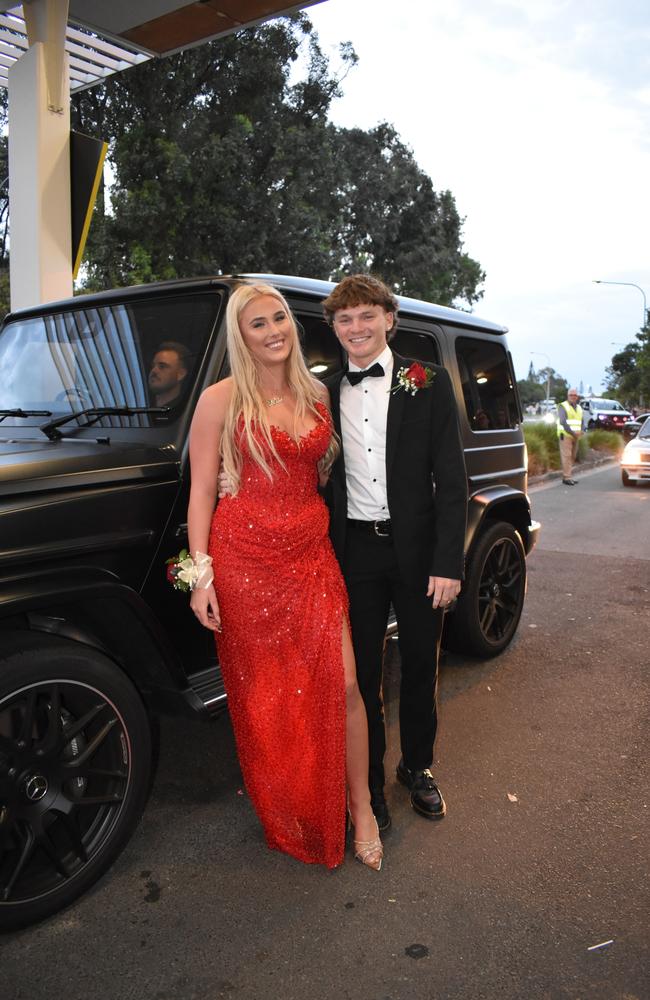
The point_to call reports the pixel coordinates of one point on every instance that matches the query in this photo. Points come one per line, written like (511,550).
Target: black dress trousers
(374,581)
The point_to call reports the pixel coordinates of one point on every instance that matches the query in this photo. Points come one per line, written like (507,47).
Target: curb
(546,477)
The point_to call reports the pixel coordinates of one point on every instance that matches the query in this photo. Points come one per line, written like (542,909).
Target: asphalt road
(544,852)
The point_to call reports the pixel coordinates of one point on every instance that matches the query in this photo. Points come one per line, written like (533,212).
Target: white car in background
(603,414)
(635,460)
(548,408)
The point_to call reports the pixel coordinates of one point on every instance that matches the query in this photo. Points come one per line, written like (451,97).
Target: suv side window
(413,344)
(488,385)
(320,347)
(142,353)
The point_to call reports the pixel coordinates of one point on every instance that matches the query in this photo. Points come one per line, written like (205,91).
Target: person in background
(169,369)
(481,421)
(569,432)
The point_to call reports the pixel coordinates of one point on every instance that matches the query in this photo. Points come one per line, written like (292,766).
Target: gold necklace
(274,400)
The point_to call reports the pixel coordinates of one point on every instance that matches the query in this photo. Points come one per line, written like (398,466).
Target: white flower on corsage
(413,378)
(185,573)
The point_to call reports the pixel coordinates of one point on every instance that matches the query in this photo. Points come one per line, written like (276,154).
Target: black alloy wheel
(75,766)
(492,598)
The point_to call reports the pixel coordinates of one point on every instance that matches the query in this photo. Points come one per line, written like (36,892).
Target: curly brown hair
(360,290)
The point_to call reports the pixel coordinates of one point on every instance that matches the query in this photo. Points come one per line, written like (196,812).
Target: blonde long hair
(247,401)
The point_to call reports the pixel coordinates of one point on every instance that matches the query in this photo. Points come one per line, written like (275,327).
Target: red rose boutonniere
(414,378)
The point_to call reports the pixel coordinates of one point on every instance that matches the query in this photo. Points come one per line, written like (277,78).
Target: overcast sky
(536,116)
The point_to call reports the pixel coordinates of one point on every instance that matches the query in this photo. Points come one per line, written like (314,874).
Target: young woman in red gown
(278,603)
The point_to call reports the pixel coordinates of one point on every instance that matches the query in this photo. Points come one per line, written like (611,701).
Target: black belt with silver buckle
(381,528)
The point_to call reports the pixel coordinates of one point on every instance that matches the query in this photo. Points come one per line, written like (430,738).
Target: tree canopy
(532,389)
(628,376)
(224,160)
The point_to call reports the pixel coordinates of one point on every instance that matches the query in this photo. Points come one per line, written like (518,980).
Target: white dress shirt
(364,413)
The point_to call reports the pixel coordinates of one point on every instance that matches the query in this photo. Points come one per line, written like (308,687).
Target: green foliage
(222,164)
(629,372)
(609,441)
(533,388)
(530,391)
(544,452)
(4,290)
(392,222)
(559,387)
(539,457)
(542,444)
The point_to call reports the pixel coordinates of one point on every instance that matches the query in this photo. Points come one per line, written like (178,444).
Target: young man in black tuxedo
(398,500)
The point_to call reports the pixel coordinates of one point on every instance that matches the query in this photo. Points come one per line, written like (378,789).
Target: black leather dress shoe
(426,797)
(380,809)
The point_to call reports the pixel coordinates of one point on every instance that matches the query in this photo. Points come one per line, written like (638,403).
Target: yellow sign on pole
(86,166)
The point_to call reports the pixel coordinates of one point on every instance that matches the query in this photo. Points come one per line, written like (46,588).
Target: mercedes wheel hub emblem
(36,787)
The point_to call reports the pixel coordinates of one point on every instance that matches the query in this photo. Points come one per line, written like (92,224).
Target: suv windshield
(144,353)
(606,404)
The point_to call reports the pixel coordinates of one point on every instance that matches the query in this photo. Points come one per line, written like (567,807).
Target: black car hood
(29,465)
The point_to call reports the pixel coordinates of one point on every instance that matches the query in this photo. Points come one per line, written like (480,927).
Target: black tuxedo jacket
(425,475)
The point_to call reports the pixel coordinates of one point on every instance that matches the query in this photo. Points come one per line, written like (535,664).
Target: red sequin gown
(282,600)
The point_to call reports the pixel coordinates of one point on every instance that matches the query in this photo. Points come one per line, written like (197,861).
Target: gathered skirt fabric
(283,604)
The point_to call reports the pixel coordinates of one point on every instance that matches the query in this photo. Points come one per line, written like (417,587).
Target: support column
(39,161)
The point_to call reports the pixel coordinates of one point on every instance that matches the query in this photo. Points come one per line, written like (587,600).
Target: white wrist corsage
(187,573)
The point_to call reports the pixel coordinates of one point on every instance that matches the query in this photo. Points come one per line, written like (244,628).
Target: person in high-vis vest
(569,432)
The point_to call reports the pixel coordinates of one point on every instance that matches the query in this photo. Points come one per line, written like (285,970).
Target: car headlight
(629,456)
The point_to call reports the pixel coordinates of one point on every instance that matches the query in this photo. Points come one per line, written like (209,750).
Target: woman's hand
(224,485)
(204,604)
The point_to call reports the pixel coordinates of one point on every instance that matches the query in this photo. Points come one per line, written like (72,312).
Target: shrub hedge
(605,441)
(544,453)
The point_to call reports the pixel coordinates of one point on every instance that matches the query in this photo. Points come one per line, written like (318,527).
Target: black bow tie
(375,371)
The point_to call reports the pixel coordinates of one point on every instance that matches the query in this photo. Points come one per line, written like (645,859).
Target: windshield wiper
(24,413)
(95,413)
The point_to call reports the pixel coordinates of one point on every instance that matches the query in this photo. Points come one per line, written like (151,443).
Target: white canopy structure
(50,48)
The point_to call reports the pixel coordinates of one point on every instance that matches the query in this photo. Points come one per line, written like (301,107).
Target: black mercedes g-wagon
(94,642)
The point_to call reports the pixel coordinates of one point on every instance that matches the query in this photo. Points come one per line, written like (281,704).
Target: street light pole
(548,371)
(630,284)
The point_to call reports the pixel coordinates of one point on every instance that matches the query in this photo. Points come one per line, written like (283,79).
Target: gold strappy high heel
(370,852)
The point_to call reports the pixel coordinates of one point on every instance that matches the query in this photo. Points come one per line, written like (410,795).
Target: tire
(75,769)
(625,479)
(491,601)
